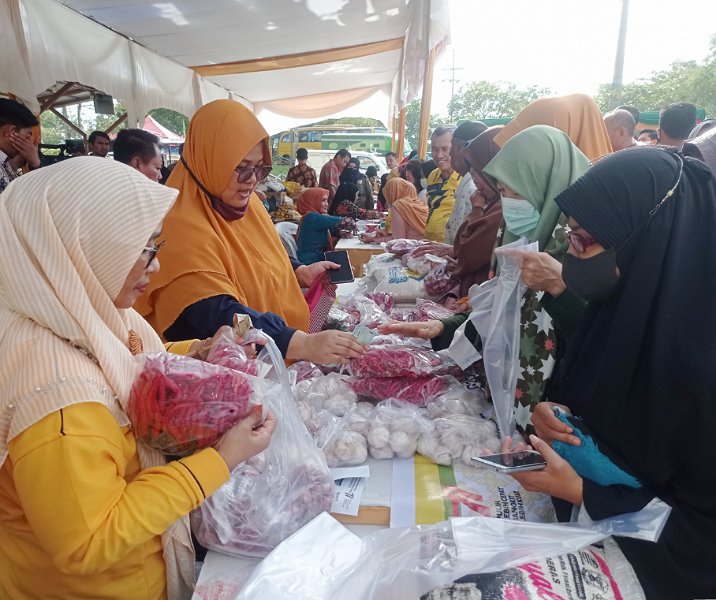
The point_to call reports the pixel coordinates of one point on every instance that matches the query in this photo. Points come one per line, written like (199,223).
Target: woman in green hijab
(530,170)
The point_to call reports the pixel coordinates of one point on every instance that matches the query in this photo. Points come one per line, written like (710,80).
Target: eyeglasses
(152,251)
(580,241)
(246,173)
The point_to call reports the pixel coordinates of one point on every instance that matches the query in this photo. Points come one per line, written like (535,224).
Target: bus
(285,143)
(377,143)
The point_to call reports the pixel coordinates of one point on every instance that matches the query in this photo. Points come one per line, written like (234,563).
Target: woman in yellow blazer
(87,511)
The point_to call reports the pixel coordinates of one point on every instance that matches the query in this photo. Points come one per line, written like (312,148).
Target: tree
(412,122)
(685,81)
(357,121)
(171,119)
(488,100)
(475,101)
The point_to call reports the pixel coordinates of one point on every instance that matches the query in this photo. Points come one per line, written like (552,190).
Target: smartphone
(513,462)
(345,273)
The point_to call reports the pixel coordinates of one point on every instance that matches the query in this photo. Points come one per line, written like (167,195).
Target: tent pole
(425,105)
(394,139)
(118,122)
(69,123)
(401,133)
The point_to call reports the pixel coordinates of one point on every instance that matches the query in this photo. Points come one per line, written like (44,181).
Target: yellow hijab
(402,197)
(577,115)
(208,256)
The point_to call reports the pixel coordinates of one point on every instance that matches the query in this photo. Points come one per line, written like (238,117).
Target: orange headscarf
(311,200)
(208,256)
(577,115)
(401,196)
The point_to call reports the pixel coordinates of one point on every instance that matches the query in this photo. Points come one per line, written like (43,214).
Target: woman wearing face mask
(352,174)
(87,511)
(640,373)
(223,254)
(344,204)
(530,170)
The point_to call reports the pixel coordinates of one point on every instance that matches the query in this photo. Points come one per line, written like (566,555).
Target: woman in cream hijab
(85,509)
(223,254)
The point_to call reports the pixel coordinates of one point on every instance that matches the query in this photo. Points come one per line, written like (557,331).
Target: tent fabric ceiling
(142,53)
(218,31)
(367,71)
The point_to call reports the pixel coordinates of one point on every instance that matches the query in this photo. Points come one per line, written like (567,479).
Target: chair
(287,232)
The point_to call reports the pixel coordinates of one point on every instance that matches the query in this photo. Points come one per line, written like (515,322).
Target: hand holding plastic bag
(275,493)
(496,314)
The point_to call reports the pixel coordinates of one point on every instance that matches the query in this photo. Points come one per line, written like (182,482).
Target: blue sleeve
(295,263)
(203,318)
(326,221)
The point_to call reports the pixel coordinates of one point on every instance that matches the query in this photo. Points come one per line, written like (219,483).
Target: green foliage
(412,122)
(55,131)
(686,81)
(475,101)
(357,121)
(172,120)
(486,100)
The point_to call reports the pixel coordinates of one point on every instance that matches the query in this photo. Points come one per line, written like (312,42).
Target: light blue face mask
(520,216)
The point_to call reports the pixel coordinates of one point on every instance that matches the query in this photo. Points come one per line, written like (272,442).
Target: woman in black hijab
(344,204)
(641,373)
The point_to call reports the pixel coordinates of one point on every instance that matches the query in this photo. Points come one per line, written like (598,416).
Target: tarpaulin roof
(165,135)
(322,55)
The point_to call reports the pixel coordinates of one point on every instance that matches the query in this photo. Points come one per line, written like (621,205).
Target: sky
(566,45)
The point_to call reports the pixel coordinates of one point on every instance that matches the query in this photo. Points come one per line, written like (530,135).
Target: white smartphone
(513,462)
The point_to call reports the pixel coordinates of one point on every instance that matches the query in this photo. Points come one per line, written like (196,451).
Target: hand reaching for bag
(425,330)
(324,348)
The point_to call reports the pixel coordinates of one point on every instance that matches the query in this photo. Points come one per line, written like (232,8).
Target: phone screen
(345,273)
(526,460)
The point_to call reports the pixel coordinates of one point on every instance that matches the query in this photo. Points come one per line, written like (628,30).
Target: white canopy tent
(305,58)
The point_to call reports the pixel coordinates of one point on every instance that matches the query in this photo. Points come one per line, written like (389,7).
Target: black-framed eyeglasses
(152,252)
(246,173)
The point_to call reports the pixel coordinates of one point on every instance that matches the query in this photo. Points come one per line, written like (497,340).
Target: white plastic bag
(273,494)
(406,563)
(322,561)
(496,314)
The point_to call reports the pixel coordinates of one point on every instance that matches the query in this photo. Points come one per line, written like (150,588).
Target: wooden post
(401,134)
(425,105)
(394,139)
(117,123)
(69,123)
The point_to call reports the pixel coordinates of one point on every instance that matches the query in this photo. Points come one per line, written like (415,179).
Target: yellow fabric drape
(577,115)
(206,255)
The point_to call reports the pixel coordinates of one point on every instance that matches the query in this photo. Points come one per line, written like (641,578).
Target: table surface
(354,243)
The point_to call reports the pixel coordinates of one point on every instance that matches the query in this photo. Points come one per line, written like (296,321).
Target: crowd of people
(616,325)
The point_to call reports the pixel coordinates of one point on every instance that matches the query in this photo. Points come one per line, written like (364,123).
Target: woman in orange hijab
(408,213)
(223,255)
(577,115)
(317,228)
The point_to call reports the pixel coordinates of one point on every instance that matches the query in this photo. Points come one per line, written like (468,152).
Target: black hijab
(345,192)
(641,370)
